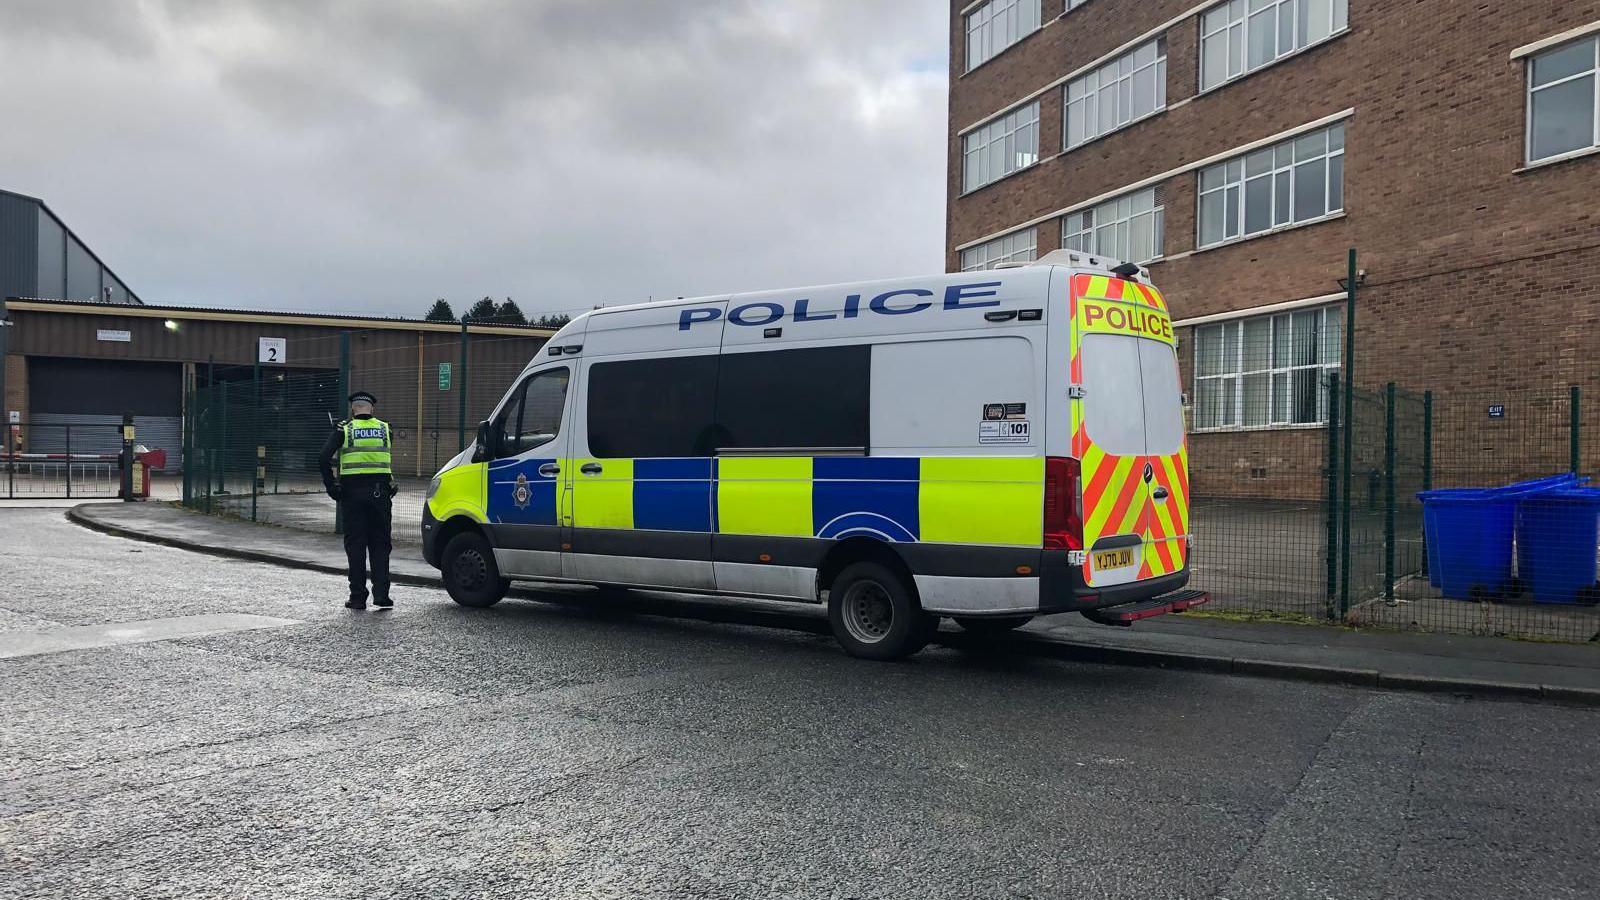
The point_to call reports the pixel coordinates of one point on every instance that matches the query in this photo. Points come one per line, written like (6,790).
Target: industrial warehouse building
(81,350)
(1240,147)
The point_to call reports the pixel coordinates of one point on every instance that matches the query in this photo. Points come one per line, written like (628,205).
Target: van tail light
(1063,504)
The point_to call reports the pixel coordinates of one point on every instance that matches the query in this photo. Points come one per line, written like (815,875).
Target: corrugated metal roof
(217,312)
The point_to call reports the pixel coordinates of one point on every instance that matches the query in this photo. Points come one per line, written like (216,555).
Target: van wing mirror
(484,448)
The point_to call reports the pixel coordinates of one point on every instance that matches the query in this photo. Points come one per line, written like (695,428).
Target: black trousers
(366,534)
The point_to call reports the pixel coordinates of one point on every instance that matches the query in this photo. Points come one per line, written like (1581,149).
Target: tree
(482,311)
(508,314)
(555,321)
(440,312)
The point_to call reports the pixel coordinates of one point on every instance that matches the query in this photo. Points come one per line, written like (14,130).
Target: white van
(987,446)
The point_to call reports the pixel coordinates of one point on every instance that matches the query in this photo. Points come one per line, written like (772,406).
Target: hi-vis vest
(366,447)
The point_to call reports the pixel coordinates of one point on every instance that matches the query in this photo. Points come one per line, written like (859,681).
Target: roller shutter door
(92,394)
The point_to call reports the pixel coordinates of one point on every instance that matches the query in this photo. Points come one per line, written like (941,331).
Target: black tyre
(875,613)
(470,574)
(992,624)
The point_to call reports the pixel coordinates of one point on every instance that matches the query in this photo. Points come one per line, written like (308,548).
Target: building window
(1267,370)
(1126,228)
(1241,36)
(996,25)
(1074,4)
(1295,181)
(1563,103)
(1001,147)
(1019,247)
(1117,94)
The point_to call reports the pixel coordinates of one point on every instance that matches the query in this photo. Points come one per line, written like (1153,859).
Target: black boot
(383,602)
(354,603)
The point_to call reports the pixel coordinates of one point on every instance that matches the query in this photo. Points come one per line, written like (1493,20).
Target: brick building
(1240,147)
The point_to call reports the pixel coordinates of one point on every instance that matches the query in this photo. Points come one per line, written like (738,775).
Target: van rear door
(1128,432)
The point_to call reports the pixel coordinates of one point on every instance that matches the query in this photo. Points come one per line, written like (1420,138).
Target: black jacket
(328,461)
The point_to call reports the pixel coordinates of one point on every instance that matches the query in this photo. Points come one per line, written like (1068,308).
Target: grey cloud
(373,155)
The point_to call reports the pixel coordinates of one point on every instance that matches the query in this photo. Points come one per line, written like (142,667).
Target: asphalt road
(576,750)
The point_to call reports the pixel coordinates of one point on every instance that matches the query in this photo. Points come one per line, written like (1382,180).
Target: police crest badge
(521,494)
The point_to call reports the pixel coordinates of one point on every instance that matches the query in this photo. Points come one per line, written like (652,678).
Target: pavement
(203,726)
(1545,671)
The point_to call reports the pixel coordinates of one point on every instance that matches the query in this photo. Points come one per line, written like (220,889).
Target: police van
(986,446)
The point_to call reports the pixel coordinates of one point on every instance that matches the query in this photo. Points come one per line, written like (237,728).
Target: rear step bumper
(1129,613)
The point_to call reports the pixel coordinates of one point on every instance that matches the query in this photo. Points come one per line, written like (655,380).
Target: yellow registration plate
(1113,559)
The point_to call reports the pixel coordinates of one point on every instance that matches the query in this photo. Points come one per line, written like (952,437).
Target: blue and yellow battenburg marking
(974,500)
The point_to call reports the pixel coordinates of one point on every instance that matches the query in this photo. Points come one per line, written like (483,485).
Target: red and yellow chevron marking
(1117,501)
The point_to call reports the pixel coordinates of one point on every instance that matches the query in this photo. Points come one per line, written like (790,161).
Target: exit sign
(444,376)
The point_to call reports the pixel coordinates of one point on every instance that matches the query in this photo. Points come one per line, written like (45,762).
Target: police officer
(363,486)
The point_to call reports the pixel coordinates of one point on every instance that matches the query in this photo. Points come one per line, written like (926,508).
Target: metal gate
(61,461)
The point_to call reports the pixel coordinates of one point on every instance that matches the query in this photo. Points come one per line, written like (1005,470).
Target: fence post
(1427,463)
(461,396)
(209,438)
(1576,403)
(344,392)
(222,443)
(255,434)
(1332,491)
(188,447)
(211,396)
(69,462)
(125,459)
(1349,364)
(1388,492)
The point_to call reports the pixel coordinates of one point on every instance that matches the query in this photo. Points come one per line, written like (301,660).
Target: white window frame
(1113,83)
(1018,246)
(1278,373)
(1083,229)
(1233,20)
(1011,20)
(1281,175)
(1593,73)
(1000,143)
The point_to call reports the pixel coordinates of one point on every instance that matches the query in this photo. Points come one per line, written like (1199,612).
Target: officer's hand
(394,488)
(333,491)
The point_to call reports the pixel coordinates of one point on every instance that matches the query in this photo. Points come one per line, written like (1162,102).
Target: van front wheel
(470,574)
(875,614)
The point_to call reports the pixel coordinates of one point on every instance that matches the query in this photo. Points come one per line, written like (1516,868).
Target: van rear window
(1114,402)
(1133,406)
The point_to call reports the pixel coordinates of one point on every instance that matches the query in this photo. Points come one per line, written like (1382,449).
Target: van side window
(813,397)
(533,417)
(652,407)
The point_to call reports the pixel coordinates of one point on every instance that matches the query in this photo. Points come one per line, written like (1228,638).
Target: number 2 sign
(273,350)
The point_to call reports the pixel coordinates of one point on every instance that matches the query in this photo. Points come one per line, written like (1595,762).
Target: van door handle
(549,470)
(590,468)
(1160,493)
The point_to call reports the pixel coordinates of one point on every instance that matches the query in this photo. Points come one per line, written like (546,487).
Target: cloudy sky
(370,155)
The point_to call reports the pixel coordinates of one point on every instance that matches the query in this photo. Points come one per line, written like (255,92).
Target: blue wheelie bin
(1557,531)
(1470,534)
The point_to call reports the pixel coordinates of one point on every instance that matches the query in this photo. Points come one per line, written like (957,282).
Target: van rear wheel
(992,624)
(471,576)
(875,613)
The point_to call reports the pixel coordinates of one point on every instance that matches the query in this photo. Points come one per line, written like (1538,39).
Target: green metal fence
(252,434)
